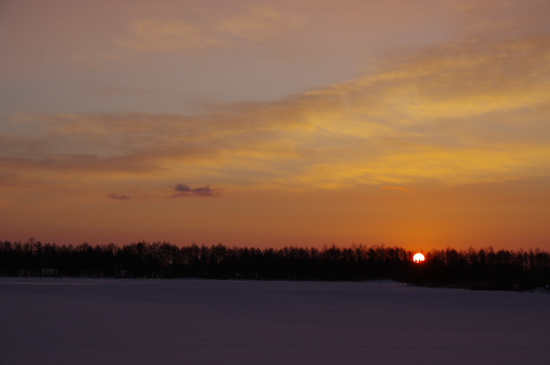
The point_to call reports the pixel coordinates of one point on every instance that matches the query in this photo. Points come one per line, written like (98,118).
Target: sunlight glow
(418,258)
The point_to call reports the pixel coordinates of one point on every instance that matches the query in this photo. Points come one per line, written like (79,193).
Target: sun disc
(418,257)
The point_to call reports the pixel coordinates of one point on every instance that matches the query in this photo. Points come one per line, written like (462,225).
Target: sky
(420,124)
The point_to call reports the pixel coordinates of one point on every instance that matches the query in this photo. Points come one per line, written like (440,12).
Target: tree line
(474,269)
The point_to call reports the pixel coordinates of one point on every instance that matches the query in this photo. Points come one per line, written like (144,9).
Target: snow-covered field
(79,321)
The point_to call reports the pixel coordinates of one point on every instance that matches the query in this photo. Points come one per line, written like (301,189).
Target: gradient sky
(422,124)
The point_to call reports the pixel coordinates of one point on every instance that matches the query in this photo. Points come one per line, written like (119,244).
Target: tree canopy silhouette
(474,269)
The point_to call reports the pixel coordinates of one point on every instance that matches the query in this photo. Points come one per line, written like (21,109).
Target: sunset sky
(422,124)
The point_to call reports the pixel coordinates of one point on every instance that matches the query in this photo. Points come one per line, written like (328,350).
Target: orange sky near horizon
(276,123)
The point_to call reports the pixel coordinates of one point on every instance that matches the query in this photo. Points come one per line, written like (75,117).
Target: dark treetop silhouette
(474,269)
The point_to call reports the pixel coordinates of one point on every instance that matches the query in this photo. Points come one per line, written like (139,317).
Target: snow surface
(104,321)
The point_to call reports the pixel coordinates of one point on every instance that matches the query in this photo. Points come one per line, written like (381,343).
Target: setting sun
(418,258)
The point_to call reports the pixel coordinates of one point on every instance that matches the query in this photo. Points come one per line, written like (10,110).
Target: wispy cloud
(166,35)
(400,188)
(252,23)
(257,23)
(456,113)
(119,196)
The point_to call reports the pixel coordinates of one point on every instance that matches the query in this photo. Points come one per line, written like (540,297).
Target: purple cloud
(183,190)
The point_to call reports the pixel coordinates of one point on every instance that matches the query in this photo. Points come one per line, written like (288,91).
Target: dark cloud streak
(182,190)
(119,197)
